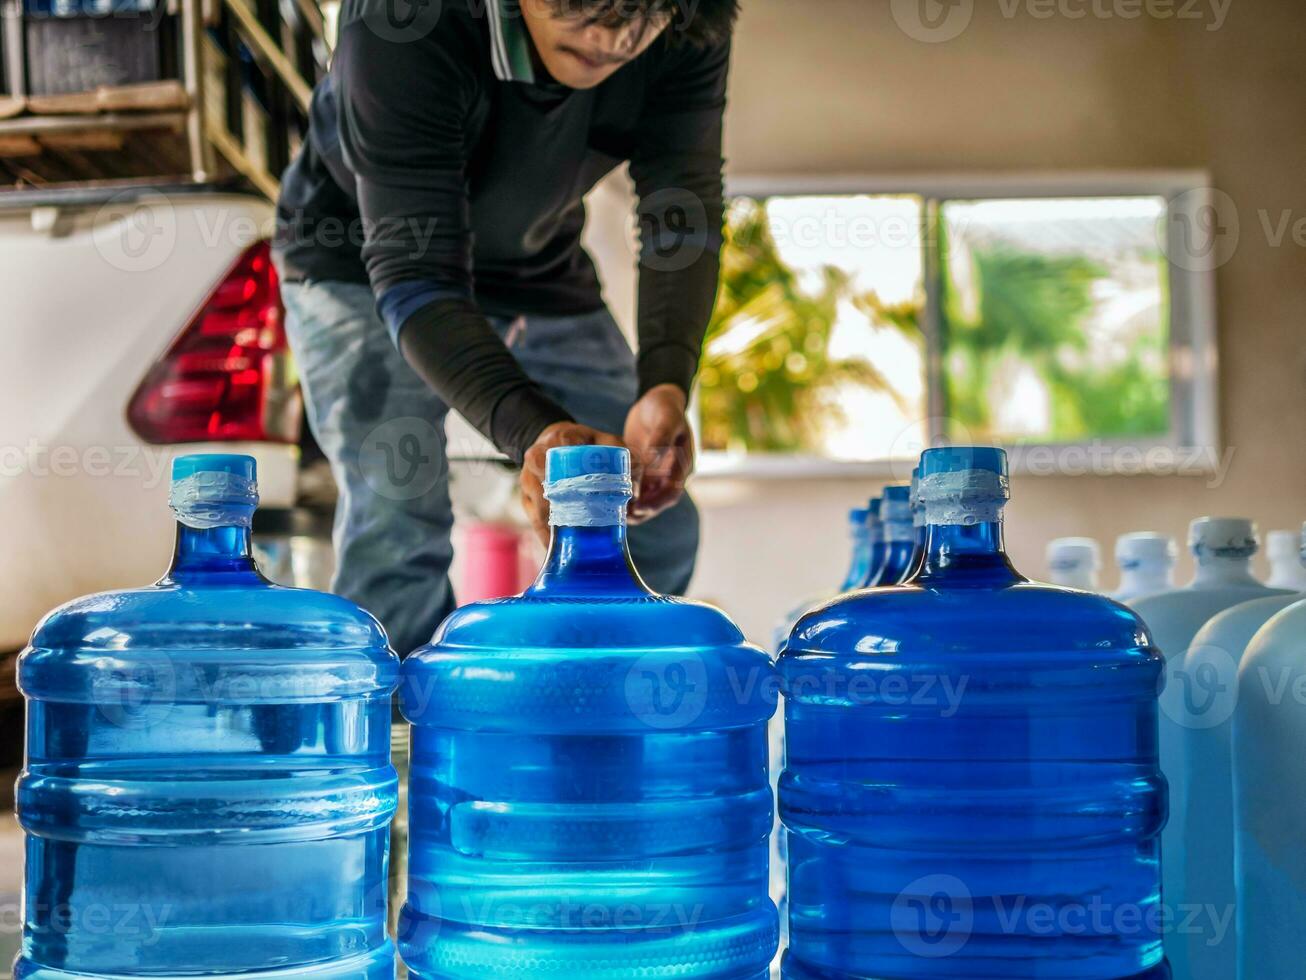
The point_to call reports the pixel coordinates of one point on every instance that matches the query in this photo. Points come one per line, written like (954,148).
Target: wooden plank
(38,125)
(230,148)
(67,103)
(102,140)
(15,49)
(143,97)
(19,145)
(266,48)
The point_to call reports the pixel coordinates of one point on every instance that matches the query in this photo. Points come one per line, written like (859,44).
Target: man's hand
(532,471)
(661,447)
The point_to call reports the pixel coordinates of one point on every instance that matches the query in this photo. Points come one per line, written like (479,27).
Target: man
(429,244)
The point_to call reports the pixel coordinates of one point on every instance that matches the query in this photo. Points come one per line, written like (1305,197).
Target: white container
(1283,548)
(1269,742)
(1146,561)
(1223,548)
(1074,563)
(1209,673)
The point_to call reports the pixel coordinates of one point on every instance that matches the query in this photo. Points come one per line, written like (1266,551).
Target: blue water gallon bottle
(899,536)
(589,796)
(971,785)
(879,547)
(1146,561)
(208,788)
(1222,548)
(1205,796)
(859,565)
(1074,563)
(1283,550)
(1269,732)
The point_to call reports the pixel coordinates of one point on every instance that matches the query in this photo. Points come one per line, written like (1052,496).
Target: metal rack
(237,108)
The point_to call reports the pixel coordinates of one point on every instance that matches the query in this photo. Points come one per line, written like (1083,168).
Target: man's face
(580,52)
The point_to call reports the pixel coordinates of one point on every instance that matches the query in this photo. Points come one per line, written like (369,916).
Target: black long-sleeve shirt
(442,170)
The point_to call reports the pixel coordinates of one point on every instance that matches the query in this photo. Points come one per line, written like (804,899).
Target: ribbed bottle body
(205,807)
(989,814)
(593,813)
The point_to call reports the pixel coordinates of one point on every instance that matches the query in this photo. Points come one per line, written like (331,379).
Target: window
(860,320)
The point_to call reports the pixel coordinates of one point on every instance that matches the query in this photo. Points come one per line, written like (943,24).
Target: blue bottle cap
(858,515)
(958,459)
(567,462)
(236,464)
(873,507)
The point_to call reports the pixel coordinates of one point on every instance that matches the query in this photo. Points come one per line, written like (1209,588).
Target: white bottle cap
(1223,534)
(1145,546)
(1284,545)
(1074,552)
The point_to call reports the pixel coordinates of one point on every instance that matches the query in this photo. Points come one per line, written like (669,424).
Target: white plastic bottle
(1146,562)
(1223,548)
(1286,568)
(1269,742)
(1074,563)
(1210,675)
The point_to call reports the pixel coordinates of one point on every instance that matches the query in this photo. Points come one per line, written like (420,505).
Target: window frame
(1194,436)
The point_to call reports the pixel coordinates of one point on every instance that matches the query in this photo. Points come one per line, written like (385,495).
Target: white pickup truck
(139,323)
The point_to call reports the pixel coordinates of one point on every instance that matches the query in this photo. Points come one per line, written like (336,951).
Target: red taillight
(227,376)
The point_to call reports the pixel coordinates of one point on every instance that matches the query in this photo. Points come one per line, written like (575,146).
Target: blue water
(971,785)
(589,795)
(208,786)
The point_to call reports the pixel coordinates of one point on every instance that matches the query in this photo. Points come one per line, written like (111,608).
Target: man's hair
(698,22)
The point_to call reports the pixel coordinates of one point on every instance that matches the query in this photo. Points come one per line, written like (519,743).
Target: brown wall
(836,86)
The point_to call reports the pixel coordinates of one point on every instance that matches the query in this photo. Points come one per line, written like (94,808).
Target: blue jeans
(382,429)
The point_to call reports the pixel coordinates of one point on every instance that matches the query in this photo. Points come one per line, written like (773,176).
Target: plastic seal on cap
(857,516)
(963,484)
(1222,537)
(1068,553)
(917,508)
(1144,546)
(587,486)
(214,490)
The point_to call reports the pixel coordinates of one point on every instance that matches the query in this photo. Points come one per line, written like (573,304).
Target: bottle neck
(591,559)
(966,555)
(897,563)
(225,551)
(878,552)
(1077,578)
(1145,576)
(860,565)
(1216,569)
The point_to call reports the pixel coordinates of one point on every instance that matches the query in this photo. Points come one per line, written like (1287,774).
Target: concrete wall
(838,86)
